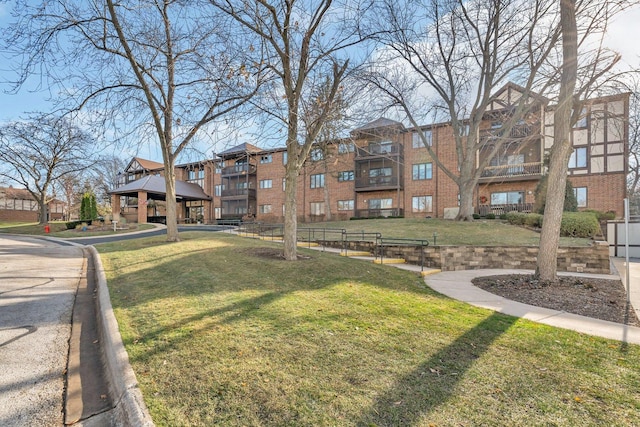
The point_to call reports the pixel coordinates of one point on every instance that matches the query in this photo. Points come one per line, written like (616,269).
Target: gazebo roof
(156,189)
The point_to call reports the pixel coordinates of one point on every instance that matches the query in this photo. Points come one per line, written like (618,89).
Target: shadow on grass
(436,380)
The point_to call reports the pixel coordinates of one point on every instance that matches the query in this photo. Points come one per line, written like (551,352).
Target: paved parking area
(38,282)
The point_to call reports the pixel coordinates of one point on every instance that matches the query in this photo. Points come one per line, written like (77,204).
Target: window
(374,172)
(422,171)
(496,125)
(242,185)
(266,183)
(346,147)
(285,157)
(416,141)
(264,209)
(345,176)
(192,175)
(266,158)
(578,158)
(316,155)
(219,167)
(317,180)
(507,198)
(515,163)
(421,204)
(463,129)
(201,174)
(284,184)
(380,203)
(582,120)
(317,208)
(345,205)
(217,190)
(581,196)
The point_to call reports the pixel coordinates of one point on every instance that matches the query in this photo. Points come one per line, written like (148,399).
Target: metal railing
(374,150)
(378,213)
(241,169)
(319,235)
(390,242)
(377,181)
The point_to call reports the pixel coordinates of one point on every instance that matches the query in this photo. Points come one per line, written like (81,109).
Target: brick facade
(379,171)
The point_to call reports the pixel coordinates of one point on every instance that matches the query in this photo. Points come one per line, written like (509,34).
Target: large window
(578,158)
(507,198)
(345,176)
(346,147)
(317,208)
(421,204)
(266,158)
(582,120)
(581,196)
(316,154)
(422,171)
(217,190)
(374,172)
(380,203)
(416,141)
(266,183)
(345,205)
(264,209)
(317,180)
(285,157)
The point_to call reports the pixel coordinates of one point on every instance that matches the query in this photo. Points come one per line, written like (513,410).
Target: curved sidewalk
(457,285)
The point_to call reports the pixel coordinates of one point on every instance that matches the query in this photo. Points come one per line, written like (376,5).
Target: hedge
(579,224)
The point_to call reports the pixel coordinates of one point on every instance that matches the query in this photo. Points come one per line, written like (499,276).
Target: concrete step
(355,253)
(308,244)
(389,261)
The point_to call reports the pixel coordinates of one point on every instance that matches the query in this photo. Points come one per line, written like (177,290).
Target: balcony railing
(378,181)
(379,213)
(374,150)
(483,210)
(239,192)
(517,131)
(522,169)
(241,169)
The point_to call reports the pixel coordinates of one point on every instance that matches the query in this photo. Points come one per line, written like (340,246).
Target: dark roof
(379,124)
(145,164)
(155,187)
(240,149)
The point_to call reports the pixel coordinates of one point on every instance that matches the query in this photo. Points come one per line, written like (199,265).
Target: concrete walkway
(458,285)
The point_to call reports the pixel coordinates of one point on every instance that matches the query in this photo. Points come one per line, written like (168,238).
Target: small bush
(71,225)
(602,216)
(476,216)
(491,216)
(533,220)
(579,224)
(515,218)
(503,216)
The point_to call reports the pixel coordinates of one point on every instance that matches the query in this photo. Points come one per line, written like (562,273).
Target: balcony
(497,210)
(379,213)
(516,132)
(239,193)
(240,169)
(514,172)
(380,150)
(368,183)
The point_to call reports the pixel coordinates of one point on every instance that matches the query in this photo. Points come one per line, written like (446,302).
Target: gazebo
(153,187)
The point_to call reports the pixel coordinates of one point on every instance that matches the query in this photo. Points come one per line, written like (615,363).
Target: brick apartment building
(383,169)
(18,205)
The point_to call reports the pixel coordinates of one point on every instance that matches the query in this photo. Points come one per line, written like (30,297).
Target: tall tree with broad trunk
(155,70)
(446,58)
(306,45)
(40,152)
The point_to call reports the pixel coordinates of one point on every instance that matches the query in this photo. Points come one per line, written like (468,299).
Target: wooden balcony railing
(379,213)
(483,210)
(241,169)
(239,192)
(378,181)
(394,149)
(517,131)
(522,169)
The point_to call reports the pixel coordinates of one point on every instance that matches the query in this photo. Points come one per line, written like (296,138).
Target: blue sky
(622,37)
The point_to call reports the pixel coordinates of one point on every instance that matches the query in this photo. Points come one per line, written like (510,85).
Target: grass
(219,334)
(479,232)
(59,229)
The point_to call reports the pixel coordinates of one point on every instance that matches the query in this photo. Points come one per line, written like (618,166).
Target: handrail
(392,241)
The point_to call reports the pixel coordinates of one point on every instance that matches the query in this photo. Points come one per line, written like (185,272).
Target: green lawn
(59,229)
(218,333)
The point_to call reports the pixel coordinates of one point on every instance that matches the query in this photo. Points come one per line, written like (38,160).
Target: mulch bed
(603,299)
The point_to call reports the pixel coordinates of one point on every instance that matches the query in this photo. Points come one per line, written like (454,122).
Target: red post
(47,229)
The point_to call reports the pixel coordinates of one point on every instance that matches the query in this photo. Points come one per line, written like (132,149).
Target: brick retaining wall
(576,259)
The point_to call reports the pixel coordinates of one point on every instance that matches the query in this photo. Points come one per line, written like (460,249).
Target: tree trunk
(43,211)
(546,268)
(290,211)
(172,217)
(327,193)
(466,189)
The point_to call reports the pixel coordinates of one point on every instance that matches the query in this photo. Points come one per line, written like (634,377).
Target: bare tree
(304,43)
(42,151)
(448,57)
(156,69)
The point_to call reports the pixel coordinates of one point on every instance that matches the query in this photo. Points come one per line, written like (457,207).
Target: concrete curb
(129,408)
